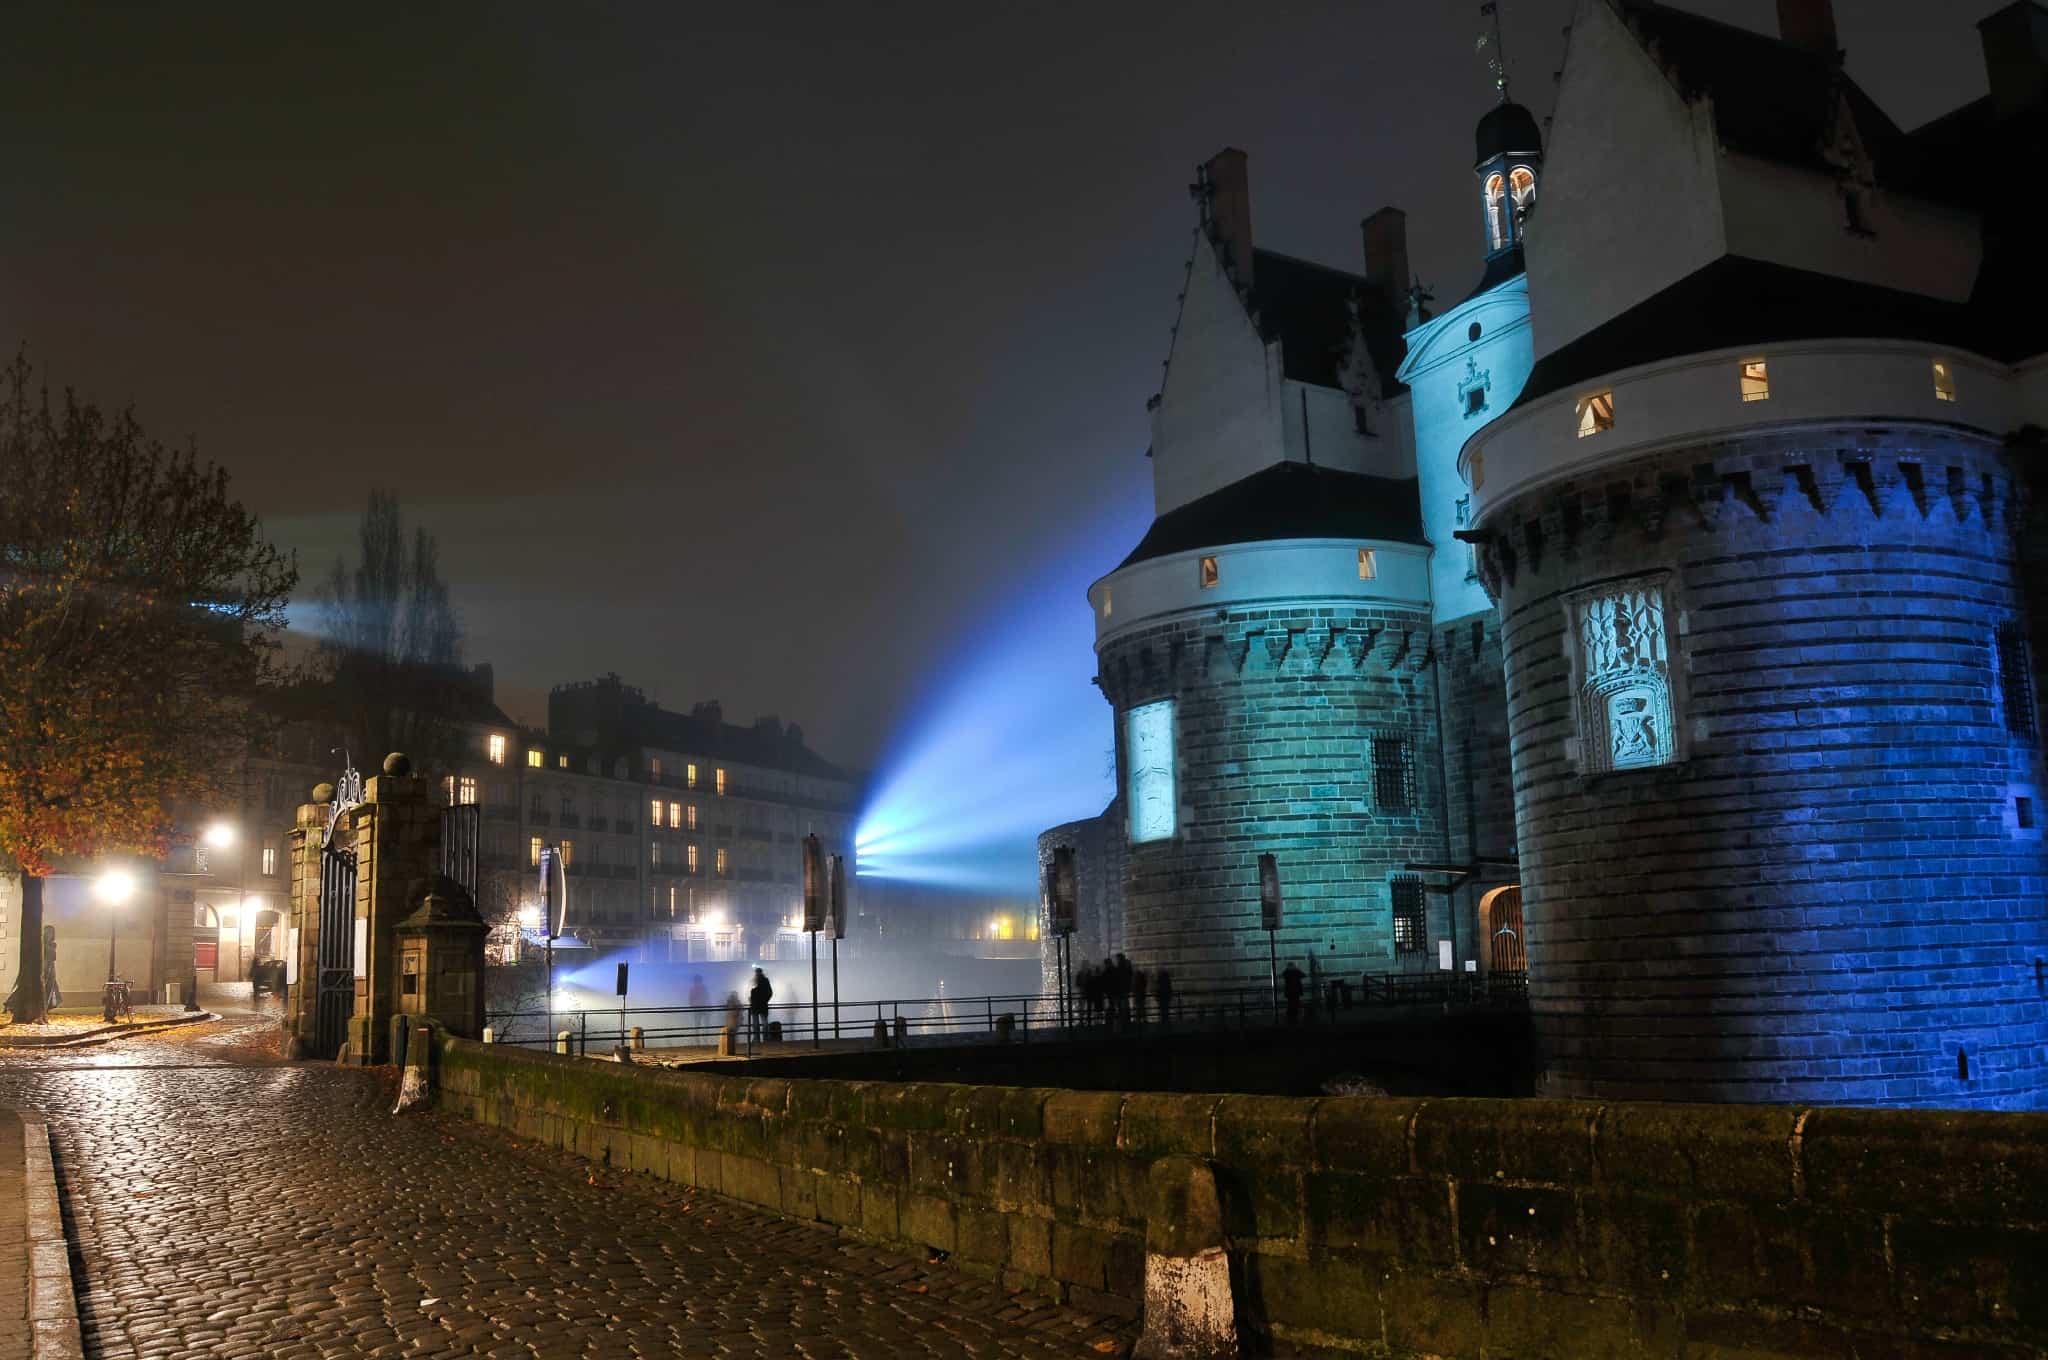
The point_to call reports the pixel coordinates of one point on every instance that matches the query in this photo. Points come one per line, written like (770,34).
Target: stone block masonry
(1395,1228)
(1836,890)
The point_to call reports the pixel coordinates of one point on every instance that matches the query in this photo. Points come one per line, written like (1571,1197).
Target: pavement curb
(107,1033)
(52,1303)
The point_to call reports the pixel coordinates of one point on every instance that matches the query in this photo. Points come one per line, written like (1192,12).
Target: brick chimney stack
(1810,26)
(1225,193)
(1386,254)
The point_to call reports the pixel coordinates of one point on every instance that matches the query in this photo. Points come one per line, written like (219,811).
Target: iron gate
(1509,955)
(458,845)
(335,986)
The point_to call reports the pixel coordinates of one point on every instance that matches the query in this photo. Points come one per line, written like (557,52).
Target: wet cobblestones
(224,1203)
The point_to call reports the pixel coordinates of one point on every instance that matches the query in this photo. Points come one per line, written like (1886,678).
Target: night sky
(764,352)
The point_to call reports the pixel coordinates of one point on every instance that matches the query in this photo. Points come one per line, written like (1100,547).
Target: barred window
(2016,679)
(1410,922)
(1393,775)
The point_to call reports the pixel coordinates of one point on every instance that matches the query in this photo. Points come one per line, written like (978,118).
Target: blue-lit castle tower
(1266,646)
(1757,529)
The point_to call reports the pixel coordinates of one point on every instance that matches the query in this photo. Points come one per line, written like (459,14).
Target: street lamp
(114,887)
(220,835)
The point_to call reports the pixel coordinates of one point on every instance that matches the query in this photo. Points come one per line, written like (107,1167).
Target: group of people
(1113,991)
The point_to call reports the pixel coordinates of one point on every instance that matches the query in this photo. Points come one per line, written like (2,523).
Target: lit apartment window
(1209,575)
(690,858)
(533,851)
(718,780)
(690,775)
(1756,381)
(655,818)
(495,747)
(562,761)
(269,859)
(675,815)
(568,853)
(1596,413)
(693,816)
(719,861)
(535,759)
(1368,565)
(654,767)
(1944,381)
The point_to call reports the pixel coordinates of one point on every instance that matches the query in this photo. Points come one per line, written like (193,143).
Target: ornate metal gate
(335,994)
(1508,954)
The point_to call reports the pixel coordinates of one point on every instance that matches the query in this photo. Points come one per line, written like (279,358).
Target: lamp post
(114,887)
(221,835)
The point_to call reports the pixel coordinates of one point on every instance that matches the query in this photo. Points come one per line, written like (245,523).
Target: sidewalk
(77,1027)
(38,1313)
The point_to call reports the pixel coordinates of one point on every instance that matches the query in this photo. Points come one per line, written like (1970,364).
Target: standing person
(1290,987)
(700,995)
(1120,987)
(1162,987)
(757,1006)
(1091,992)
(1138,994)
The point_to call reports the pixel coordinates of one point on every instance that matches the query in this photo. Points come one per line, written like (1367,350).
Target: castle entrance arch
(1500,929)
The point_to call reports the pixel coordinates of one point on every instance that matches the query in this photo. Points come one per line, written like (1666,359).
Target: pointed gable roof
(1771,99)
(1307,308)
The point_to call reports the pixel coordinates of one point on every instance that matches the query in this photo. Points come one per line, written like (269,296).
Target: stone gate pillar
(396,835)
(306,839)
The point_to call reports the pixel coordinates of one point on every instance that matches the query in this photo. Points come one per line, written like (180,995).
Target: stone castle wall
(1402,1228)
(1275,713)
(1478,775)
(1098,844)
(1835,895)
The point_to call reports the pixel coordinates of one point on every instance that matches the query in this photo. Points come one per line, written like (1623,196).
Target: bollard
(490,1035)
(729,1041)
(401,1030)
(1005,1023)
(562,1042)
(1189,1309)
(881,1033)
(415,1086)
(638,1036)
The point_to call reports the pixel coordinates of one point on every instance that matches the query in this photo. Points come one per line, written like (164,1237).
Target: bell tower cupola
(1508,160)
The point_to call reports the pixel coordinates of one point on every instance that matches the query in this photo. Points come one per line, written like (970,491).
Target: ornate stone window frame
(1625,704)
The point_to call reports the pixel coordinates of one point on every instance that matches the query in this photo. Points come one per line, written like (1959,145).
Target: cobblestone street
(222,1203)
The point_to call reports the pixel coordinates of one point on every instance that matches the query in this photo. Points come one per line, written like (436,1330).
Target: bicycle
(114,1002)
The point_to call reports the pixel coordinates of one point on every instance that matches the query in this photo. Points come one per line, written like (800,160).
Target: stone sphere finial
(398,762)
(323,793)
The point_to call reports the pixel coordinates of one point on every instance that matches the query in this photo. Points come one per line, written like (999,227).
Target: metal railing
(791,1026)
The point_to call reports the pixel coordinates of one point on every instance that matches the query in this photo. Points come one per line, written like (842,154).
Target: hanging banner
(814,885)
(1269,893)
(835,916)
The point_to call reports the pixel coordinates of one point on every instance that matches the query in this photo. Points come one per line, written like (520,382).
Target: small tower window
(1475,400)
(1944,381)
(1208,574)
(1410,919)
(1368,565)
(1522,185)
(1105,602)
(1478,469)
(1393,777)
(1596,413)
(1756,381)
(1496,212)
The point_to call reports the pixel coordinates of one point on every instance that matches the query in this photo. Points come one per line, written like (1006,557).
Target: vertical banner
(835,916)
(814,885)
(1269,893)
(1060,890)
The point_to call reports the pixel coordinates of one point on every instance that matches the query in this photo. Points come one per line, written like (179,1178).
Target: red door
(205,953)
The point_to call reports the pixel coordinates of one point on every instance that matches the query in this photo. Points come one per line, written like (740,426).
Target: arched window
(1522,184)
(1496,212)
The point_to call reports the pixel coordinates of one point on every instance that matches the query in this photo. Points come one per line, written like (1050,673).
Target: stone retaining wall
(1455,1228)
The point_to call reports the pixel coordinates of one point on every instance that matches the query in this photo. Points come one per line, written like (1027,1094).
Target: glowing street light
(220,835)
(114,887)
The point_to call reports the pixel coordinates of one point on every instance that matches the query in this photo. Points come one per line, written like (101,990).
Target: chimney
(1810,26)
(2016,57)
(1386,253)
(1225,192)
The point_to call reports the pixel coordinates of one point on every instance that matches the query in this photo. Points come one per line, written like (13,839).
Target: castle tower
(1754,527)
(1266,645)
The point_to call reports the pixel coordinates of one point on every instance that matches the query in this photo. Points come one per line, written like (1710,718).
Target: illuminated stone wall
(1478,776)
(1836,892)
(1098,844)
(1275,713)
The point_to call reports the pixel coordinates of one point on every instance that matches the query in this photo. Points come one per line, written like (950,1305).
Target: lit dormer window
(1944,381)
(495,747)
(1596,413)
(1208,573)
(1368,565)
(1756,381)
(1496,212)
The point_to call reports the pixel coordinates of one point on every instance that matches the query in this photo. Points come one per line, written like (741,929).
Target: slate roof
(1288,500)
(1505,127)
(1737,301)
(1306,306)
(1771,99)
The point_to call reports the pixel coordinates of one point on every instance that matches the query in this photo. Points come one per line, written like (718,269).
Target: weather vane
(1498,62)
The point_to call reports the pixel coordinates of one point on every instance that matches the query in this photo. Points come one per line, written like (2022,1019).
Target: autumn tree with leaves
(140,606)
